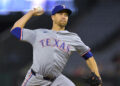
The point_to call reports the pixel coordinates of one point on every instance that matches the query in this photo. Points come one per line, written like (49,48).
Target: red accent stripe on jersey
(25,83)
(85,52)
(21,35)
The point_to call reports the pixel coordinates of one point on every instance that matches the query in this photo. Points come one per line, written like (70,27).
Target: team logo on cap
(63,6)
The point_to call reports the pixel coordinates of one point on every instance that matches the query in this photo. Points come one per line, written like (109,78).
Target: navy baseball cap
(59,8)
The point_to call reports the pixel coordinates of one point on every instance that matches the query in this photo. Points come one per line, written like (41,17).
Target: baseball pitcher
(52,48)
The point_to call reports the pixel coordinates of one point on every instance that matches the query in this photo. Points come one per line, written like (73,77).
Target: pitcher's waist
(44,77)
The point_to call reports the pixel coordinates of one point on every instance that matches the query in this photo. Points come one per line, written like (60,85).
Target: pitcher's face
(60,19)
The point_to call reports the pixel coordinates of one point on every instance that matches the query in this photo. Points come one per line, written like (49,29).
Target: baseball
(38,11)
(39,8)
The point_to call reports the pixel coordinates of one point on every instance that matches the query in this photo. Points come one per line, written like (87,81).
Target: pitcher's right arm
(19,25)
(22,21)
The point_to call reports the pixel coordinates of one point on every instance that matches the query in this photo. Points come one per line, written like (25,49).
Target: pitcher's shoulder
(73,33)
(43,30)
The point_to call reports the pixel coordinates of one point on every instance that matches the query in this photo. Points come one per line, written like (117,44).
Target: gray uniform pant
(32,80)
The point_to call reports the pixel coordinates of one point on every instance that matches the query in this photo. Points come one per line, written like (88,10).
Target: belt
(45,78)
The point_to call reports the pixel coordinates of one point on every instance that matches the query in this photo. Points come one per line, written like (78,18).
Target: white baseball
(39,8)
(38,11)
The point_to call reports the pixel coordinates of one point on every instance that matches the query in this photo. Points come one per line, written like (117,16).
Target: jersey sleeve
(79,45)
(24,34)
(28,35)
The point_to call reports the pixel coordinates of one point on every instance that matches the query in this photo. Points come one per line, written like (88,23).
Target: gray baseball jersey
(51,49)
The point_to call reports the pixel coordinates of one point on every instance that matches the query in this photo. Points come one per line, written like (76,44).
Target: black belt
(45,78)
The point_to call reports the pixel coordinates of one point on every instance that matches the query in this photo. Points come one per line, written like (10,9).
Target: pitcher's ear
(52,17)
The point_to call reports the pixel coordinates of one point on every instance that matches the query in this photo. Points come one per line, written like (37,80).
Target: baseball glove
(94,80)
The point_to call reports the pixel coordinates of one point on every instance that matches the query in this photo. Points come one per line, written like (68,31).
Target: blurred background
(97,22)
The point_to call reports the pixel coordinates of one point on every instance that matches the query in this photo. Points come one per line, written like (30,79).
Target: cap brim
(65,10)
